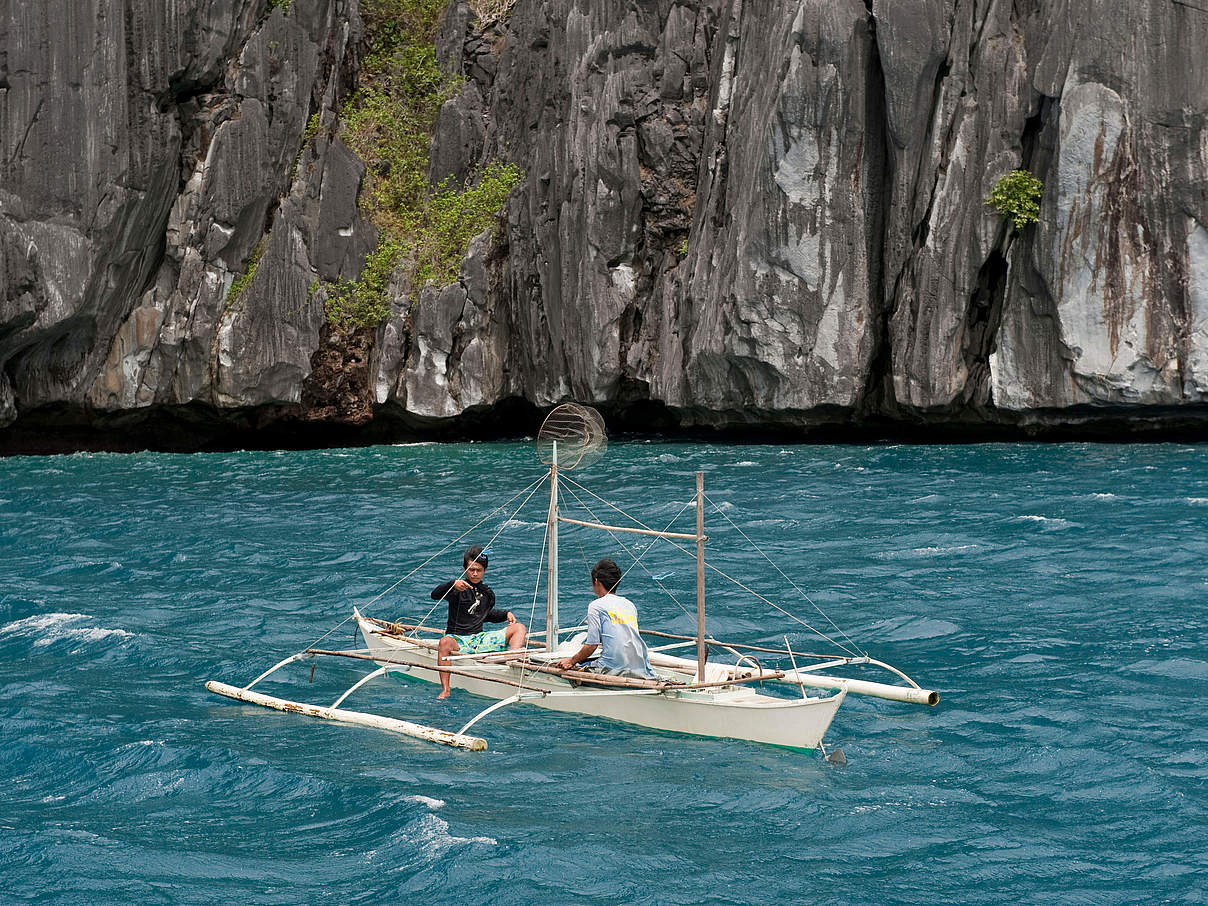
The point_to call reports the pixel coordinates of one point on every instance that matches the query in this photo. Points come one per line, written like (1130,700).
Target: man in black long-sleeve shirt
(472,603)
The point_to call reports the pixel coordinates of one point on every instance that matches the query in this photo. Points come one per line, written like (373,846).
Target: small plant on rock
(363,303)
(1017,197)
(242,282)
(453,218)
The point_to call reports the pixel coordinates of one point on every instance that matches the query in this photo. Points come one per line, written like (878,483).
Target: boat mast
(701,651)
(551,606)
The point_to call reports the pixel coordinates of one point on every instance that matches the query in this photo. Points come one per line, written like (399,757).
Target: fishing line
(796,587)
(502,526)
(637,559)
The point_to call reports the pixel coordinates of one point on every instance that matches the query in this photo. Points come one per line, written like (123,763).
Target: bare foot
(444,694)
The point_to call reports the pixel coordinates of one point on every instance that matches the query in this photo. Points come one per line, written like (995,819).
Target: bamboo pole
(622,528)
(909,694)
(702,650)
(758,677)
(551,603)
(603,679)
(450,670)
(405,727)
(721,644)
(400,628)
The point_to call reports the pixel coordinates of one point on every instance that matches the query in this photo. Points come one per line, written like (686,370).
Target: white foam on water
(57,627)
(1104,496)
(521,523)
(1197,501)
(432,834)
(1045,520)
(425,800)
(938,551)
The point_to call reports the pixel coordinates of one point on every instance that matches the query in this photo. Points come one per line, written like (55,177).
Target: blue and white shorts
(482,642)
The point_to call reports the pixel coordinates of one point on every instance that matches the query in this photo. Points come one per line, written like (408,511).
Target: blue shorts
(482,642)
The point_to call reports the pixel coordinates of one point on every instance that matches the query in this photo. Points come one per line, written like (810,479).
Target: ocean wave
(1051,521)
(917,629)
(426,800)
(1173,668)
(524,524)
(49,628)
(925,552)
(432,834)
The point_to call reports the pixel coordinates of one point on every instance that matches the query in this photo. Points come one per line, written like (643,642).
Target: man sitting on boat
(472,603)
(612,625)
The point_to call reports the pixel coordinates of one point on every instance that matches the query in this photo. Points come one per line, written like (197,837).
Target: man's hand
(511,618)
(579,657)
(460,584)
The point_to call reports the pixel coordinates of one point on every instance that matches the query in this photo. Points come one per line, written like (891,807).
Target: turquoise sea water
(1055,595)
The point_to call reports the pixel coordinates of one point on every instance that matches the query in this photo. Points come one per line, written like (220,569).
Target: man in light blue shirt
(612,624)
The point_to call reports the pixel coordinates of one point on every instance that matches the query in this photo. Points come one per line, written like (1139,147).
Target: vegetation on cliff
(242,282)
(1016,197)
(389,123)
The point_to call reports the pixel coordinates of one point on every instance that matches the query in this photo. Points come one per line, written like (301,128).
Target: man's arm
(577,658)
(441,590)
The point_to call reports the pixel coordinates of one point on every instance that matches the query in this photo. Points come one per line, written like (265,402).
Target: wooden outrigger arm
(405,727)
(336,713)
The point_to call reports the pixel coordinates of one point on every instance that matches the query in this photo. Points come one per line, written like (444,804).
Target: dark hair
(473,554)
(607,573)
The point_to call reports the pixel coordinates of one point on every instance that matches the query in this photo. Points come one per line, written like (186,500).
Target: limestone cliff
(734,213)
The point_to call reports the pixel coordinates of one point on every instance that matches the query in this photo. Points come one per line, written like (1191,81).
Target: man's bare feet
(443,694)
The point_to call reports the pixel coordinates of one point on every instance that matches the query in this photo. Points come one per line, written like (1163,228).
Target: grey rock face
(152,147)
(1109,308)
(748,213)
(779,277)
(777,214)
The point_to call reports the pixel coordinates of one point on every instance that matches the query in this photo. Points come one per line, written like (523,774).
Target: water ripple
(1049,592)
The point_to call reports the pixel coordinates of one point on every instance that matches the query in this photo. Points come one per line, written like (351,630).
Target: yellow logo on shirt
(623,619)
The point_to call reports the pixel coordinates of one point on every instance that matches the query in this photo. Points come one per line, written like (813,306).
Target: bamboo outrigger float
(688,695)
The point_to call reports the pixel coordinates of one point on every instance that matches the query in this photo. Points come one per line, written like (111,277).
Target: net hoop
(579,434)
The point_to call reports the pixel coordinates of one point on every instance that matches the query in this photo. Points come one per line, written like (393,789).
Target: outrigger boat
(698,696)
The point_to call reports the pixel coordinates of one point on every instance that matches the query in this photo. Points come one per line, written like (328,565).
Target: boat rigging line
(796,587)
(857,653)
(532,487)
(636,558)
(502,526)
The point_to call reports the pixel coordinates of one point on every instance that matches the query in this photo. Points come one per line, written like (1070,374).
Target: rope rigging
(532,488)
(637,559)
(735,581)
(636,553)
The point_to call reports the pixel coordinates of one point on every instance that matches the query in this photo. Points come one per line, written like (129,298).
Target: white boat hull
(733,712)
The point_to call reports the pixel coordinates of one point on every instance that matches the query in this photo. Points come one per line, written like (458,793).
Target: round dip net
(578,432)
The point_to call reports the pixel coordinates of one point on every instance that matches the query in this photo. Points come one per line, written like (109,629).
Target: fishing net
(579,433)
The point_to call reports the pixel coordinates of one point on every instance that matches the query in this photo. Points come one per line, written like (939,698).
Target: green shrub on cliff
(240,283)
(456,217)
(389,123)
(1017,197)
(364,302)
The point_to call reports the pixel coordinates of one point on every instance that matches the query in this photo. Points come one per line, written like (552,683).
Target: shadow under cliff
(197,429)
